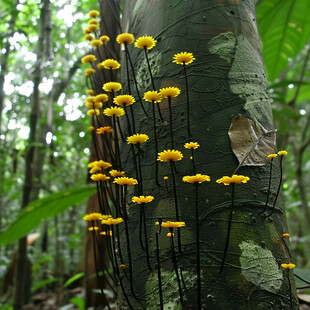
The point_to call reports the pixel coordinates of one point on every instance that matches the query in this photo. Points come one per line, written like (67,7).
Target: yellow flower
(91,128)
(92,164)
(286,235)
(183,58)
(114,111)
(88,58)
(198,178)
(105,129)
(90,99)
(236,179)
(93,112)
(92,217)
(90,92)
(145,42)
(93,22)
(112,221)
(87,31)
(88,37)
(124,100)
(99,177)
(104,39)
(169,92)
(125,181)
(272,155)
(122,266)
(169,224)
(125,38)
(116,173)
(93,13)
(169,235)
(96,43)
(103,164)
(142,199)
(94,170)
(112,86)
(99,66)
(152,95)
(92,28)
(101,98)
(170,155)
(89,72)
(137,138)
(92,105)
(108,233)
(111,64)
(288,266)
(282,153)
(93,228)
(166,178)
(191,145)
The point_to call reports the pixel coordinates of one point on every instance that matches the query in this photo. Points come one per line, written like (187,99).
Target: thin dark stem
(117,153)
(287,248)
(176,206)
(193,161)
(174,261)
(140,169)
(229,226)
(135,80)
(302,279)
(159,273)
(120,130)
(128,243)
(170,122)
(187,102)
(96,267)
(149,67)
(140,228)
(117,272)
(269,186)
(145,238)
(279,187)
(128,121)
(133,119)
(197,249)
(127,68)
(156,144)
(290,288)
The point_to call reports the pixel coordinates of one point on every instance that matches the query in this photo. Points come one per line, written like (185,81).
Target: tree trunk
(226,79)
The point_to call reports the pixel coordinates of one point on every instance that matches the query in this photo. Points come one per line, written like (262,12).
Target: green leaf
(43,283)
(74,278)
(41,209)
(284,27)
(79,302)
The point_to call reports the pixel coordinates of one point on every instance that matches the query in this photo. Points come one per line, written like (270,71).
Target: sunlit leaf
(284,26)
(74,278)
(31,216)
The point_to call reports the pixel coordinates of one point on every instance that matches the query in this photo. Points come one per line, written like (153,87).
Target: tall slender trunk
(226,79)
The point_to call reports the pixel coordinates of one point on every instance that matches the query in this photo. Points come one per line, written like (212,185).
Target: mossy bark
(226,79)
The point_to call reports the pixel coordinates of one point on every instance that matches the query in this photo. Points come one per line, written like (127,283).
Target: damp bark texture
(227,79)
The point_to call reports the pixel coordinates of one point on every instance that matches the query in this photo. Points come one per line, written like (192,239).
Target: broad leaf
(41,209)
(74,278)
(251,142)
(284,26)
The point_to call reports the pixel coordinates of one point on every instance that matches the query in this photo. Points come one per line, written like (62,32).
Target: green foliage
(74,278)
(43,283)
(284,27)
(79,302)
(31,216)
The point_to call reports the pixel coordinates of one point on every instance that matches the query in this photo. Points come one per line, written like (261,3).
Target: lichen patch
(259,266)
